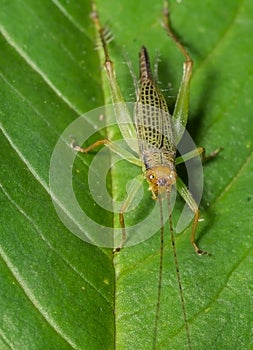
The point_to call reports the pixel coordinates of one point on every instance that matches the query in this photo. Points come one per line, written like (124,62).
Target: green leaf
(59,292)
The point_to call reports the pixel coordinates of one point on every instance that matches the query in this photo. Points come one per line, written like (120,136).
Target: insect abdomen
(152,119)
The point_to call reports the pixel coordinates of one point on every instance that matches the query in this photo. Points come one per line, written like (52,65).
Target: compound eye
(172,175)
(151,177)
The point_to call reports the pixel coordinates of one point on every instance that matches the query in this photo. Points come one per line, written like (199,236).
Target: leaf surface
(57,291)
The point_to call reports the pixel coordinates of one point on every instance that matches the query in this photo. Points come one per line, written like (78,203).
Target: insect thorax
(153,157)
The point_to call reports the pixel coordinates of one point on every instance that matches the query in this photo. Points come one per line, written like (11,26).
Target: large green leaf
(57,291)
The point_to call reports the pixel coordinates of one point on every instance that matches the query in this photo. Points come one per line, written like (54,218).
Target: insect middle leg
(199,151)
(132,189)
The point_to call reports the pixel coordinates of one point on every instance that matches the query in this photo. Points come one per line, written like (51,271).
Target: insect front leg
(186,195)
(131,193)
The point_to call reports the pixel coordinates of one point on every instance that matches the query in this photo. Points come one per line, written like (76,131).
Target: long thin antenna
(179,282)
(160,275)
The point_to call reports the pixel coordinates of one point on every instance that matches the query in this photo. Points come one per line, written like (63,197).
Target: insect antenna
(160,274)
(179,282)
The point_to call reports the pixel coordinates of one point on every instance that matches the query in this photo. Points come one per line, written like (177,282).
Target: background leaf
(57,292)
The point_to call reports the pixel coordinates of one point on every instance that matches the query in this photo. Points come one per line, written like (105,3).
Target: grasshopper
(157,134)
